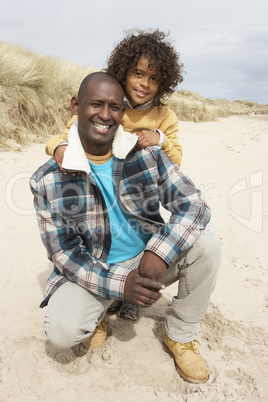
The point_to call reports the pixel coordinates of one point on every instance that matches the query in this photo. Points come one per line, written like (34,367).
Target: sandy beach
(226,159)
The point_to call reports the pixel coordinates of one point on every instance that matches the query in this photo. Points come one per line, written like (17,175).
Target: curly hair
(125,56)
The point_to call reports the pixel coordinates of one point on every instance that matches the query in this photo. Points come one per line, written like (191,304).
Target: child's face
(142,84)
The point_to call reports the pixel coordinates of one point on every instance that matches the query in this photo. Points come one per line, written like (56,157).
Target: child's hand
(147,138)
(58,156)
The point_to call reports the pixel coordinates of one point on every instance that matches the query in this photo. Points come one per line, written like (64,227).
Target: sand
(227,160)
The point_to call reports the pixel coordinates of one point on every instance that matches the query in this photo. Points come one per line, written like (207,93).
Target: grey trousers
(73,312)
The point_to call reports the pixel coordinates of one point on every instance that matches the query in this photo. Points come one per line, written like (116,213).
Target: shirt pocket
(73,206)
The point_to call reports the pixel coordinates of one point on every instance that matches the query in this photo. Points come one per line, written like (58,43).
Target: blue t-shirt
(126,241)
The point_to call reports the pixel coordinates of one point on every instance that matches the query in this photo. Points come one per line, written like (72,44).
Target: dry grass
(190,106)
(35,93)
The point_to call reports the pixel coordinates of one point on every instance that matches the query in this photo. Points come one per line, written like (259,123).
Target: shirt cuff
(162,136)
(61,143)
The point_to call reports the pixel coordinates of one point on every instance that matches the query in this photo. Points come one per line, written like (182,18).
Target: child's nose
(145,81)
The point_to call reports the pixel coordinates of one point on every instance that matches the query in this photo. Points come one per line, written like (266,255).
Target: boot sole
(188,379)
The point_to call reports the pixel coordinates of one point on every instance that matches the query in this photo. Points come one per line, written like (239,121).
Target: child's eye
(155,79)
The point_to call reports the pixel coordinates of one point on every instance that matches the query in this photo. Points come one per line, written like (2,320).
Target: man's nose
(105,113)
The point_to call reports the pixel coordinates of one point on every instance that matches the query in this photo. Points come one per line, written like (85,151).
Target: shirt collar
(75,158)
(144,106)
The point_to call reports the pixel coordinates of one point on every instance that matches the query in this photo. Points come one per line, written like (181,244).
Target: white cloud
(223,44)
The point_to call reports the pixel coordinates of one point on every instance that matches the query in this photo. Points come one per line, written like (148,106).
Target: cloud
(222,44)
(231,63)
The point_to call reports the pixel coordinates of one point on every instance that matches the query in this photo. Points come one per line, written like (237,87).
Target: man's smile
(102,128)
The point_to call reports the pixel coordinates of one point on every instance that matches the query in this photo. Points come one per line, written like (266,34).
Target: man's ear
(74,104)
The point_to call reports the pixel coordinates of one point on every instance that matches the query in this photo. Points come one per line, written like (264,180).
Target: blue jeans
(73,312)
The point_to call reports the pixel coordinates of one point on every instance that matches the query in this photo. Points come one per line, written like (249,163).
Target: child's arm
(166,136)
(169,126)
(172,148)
(54,142)
(169,144)
(147,138)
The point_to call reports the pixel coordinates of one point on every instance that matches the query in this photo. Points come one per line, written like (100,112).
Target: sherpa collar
(75,158)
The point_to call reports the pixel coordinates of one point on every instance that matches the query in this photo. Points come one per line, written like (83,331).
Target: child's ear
(74,104)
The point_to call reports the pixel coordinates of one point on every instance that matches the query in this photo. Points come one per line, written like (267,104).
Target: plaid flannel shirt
(74,222)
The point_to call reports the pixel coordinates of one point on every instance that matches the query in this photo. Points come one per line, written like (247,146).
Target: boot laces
(191,346)
(101,325)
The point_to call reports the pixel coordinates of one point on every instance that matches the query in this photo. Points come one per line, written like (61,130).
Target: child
(148,68)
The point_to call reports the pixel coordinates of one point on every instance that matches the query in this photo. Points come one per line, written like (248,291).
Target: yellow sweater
(161,117)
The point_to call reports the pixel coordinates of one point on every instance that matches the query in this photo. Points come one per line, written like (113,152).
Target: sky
(223,45)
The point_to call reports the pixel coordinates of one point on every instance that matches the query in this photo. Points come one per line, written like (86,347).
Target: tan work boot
(98,337)
(189,363)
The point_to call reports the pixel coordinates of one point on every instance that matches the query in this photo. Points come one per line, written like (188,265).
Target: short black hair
(98,76)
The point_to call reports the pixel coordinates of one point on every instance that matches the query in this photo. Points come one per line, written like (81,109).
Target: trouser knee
(61,335)
(64,334)
(208,250)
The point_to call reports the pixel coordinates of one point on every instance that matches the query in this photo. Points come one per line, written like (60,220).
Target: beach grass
(35,93)
(190,106)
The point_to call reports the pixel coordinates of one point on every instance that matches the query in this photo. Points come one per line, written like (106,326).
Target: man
(105,235)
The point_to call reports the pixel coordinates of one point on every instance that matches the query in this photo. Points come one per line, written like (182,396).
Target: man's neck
(97,150)
(99,160)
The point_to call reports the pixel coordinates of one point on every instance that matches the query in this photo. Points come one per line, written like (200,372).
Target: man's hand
(58,156)
(147,138)
(141,291)
(152,267)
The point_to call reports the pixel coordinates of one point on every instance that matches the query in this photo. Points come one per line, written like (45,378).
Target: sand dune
(227,160)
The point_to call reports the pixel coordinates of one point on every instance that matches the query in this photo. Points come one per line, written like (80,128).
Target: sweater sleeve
(54,141)
(171,145)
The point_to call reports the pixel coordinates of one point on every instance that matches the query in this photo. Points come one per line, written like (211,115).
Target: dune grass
(35,93)
(190,106)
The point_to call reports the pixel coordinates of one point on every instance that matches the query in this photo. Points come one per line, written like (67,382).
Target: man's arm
(189,212)
(153,267)
(66,248)
(142,291)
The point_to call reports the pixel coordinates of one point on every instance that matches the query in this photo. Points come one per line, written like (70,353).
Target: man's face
(100,110)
